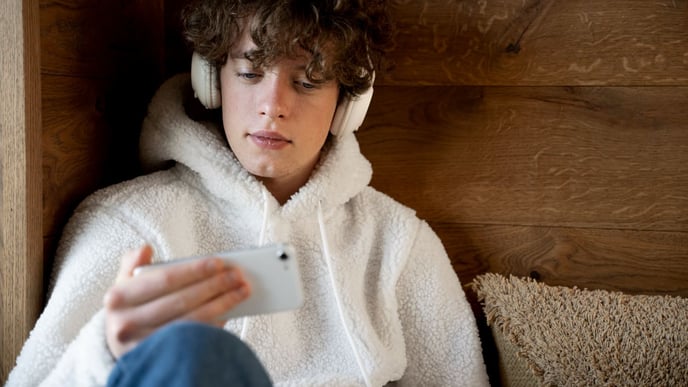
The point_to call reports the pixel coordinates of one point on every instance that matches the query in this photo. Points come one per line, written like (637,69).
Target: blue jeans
(189,354)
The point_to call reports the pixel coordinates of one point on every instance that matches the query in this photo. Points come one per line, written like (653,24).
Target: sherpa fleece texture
(391,298)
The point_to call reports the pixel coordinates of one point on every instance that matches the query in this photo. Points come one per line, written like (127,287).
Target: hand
(135,307)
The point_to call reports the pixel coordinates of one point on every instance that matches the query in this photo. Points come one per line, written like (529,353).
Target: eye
(247,75)
(306,85)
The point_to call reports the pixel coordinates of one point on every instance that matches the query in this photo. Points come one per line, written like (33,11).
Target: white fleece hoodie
(382,302)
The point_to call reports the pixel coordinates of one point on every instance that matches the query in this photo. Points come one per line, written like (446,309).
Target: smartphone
(272,271)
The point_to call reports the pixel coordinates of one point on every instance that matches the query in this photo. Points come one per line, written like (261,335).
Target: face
(275,119)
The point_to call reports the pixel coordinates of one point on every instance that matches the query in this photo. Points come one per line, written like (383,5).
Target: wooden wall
(542,138)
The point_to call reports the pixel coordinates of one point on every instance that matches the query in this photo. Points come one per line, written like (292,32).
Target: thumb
(132,260)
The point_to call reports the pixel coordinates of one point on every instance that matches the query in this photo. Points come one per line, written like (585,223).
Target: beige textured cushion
(560,336)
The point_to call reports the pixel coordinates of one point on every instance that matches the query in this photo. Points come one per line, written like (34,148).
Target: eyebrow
(240,55)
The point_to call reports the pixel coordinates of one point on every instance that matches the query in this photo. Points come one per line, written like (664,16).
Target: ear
(351,112)
(204,82)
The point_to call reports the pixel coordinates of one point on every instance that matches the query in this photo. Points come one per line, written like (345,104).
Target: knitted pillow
(559,336)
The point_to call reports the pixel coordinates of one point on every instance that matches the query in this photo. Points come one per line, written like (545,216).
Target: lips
(269,139)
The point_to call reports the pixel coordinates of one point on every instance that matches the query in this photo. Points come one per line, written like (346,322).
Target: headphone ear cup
(204,82)
(350,113)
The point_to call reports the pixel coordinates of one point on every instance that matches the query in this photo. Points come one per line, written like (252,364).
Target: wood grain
(609,158)
(621,260)
(101,38)
(75,145)
(540,42)
(20,181)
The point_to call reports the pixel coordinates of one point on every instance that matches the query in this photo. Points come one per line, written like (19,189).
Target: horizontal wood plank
(610,158)
(101,38)
(630,261)
(540,42)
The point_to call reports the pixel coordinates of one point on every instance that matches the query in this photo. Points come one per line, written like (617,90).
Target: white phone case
(272,271)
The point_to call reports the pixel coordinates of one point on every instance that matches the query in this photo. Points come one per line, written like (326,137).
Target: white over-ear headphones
(348,117)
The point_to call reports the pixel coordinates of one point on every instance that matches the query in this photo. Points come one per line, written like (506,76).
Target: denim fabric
(189,354)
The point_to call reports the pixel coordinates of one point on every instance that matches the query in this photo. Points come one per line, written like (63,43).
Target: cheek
(232,111)
(232,103)
(326,111)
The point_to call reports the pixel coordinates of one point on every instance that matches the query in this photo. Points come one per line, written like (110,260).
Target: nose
(276,98)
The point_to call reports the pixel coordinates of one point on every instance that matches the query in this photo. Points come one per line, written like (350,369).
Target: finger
(182,302)
(213,310)
(133,259)
(161,281)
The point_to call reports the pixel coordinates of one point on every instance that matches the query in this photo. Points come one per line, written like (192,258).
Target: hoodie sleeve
(67,345)
(442,343)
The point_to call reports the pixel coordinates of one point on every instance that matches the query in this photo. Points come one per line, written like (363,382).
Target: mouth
(269,140)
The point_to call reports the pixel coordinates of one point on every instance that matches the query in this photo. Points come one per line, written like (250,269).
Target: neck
(284,187)
(281,192)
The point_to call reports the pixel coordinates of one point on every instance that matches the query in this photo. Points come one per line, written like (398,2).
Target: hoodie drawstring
(261,241)
(266,212)
(338,302)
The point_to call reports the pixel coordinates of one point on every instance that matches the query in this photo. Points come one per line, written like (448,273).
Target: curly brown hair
(347,39)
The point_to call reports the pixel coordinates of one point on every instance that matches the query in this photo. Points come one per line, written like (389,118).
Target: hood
(169,135)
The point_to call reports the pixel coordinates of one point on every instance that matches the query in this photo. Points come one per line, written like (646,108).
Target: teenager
(291,78)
